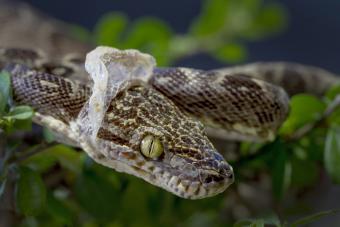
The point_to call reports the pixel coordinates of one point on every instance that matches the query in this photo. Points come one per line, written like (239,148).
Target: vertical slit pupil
(151,146)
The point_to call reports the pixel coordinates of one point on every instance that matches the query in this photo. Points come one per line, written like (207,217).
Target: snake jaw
(206,184)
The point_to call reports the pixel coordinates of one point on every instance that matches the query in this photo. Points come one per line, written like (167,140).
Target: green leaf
(152,36)
(257,223)
(314,217)
(23,125)
(314,144)
(334,118)
(332,154)
(304,172)
(212,18)
(41,162)
(5,89)
(31,192)
(272,18)
(97,196)
(304,109)
(128,205)
(231,52)
(104,172)
(80,33)
(146,30)
(269,20)
(109,29)
(281,169)
(333,92)
(67,157)
(48,135)
(20,113)
(58,210)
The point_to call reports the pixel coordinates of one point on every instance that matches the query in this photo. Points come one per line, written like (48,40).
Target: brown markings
(99,156)
(140,163)
(188,154)
(128,155)
(252,106)
(197,191)
(270,75)
(55,69)
(203,104)
(293,81)
(151,168)
(56,97)
(107,135)
(240,80)
(22,56)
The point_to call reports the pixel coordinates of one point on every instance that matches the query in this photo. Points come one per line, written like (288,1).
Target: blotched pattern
(189,167)
(171,108)
(234,105)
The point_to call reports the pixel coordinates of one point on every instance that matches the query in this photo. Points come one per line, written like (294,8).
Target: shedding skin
(187,170)
(177,105)
(190,166)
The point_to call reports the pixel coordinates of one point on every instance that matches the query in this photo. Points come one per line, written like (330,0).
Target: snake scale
(157,130)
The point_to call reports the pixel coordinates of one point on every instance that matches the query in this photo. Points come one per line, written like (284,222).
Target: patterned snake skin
(176,109)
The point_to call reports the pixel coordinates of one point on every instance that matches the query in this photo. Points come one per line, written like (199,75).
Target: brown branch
(39,148)
(303,131)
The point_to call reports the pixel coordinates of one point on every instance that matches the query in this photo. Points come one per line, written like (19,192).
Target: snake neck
(48,94)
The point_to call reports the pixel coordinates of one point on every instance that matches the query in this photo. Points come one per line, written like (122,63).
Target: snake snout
(216,180)
(224,173)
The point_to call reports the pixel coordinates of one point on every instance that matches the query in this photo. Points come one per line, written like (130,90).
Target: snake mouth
(189,185)
(216,181)
(206,183)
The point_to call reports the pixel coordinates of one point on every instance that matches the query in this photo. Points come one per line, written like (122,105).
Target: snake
(157,129)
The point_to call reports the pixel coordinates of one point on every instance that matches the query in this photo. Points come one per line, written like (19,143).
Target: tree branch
(301,132)
(39,148)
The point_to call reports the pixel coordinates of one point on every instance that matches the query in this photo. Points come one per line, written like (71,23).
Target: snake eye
(151,147)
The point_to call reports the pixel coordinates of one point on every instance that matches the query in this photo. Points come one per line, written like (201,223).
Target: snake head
(133,128)
(145,134)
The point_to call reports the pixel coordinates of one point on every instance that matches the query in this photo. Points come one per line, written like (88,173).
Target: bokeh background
(312,36)
(80,192)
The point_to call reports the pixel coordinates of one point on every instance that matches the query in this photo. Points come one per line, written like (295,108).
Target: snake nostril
(226,171)
(208,180)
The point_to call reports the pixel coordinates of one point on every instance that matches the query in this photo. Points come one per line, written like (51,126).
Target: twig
(39,148)
(301,132)
(311,218)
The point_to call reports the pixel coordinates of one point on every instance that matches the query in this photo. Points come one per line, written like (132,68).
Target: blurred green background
(277,183)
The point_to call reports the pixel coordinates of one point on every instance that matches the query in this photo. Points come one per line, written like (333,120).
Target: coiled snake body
(157,130)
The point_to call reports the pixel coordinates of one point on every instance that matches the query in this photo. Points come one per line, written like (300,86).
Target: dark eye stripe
(107,135)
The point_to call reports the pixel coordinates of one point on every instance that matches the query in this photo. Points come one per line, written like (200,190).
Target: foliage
(17,117)
(220,30)
(57,185)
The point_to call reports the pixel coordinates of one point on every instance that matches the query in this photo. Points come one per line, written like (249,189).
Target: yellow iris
(151,147)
